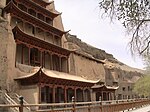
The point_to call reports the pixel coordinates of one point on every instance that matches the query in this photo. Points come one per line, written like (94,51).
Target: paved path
(143,109)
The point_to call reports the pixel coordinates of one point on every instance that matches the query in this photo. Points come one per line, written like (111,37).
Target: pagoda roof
(15,11)
(42,75)
(43,2)
(38,8)
(25,38)
(103,87)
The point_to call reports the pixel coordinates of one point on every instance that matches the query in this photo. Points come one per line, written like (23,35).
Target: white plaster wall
(30,93)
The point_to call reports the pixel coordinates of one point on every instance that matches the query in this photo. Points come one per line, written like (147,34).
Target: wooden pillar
(110,94)
(29,55)
(41,58)
(67,65)
(75,94)
(53,37)
(51,62)
(36,14)
(54,94)
(22,53)
(65,94)
(45,96)
(102,95)
(44,34)
(27,10)
(35,31)
(107,95)
(83,90)
(39,94)
(113,96)
(60,68)
(44,18)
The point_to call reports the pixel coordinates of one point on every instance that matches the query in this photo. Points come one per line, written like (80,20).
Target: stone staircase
(11,99)
(15,98)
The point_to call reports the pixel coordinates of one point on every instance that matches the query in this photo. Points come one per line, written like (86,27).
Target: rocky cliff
(77,45)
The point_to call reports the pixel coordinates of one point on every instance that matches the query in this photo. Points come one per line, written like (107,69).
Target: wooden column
(83,94)
(44,34)
(27,10)
(53,37)
(36,14)
(35,31)
(67,65)
(22,57)
(51,61)
(39,93)
(102,96)
(41,58)
(75,94)
(65,94)
(60,68)
(44,18)
(106,95)
(114,96)
(54,94)
(29,55)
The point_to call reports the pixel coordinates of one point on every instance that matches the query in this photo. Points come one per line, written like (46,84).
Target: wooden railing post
(89,108)
(101,108)
(21,104)
(73,101)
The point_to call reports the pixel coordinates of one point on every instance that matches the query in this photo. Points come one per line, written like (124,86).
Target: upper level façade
(38,41)
(34,19)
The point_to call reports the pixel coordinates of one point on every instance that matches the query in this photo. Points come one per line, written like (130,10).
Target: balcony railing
(97,106)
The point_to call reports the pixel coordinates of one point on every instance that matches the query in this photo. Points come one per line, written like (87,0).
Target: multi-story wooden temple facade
(43,66)
(39,65)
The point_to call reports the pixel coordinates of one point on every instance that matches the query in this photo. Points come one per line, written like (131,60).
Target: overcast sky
(82,17)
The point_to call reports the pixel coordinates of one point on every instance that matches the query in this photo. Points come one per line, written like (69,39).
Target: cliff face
(3,53)
(110,63)
(75,43)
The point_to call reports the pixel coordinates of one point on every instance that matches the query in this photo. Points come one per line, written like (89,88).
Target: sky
(83,18)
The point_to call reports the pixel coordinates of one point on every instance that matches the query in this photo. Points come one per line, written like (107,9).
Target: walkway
(143,109)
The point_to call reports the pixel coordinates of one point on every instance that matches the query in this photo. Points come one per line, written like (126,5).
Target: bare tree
(135,17)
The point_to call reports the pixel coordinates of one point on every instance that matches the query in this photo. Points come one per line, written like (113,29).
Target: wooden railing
(97,106)
(24,101)
(12,102)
